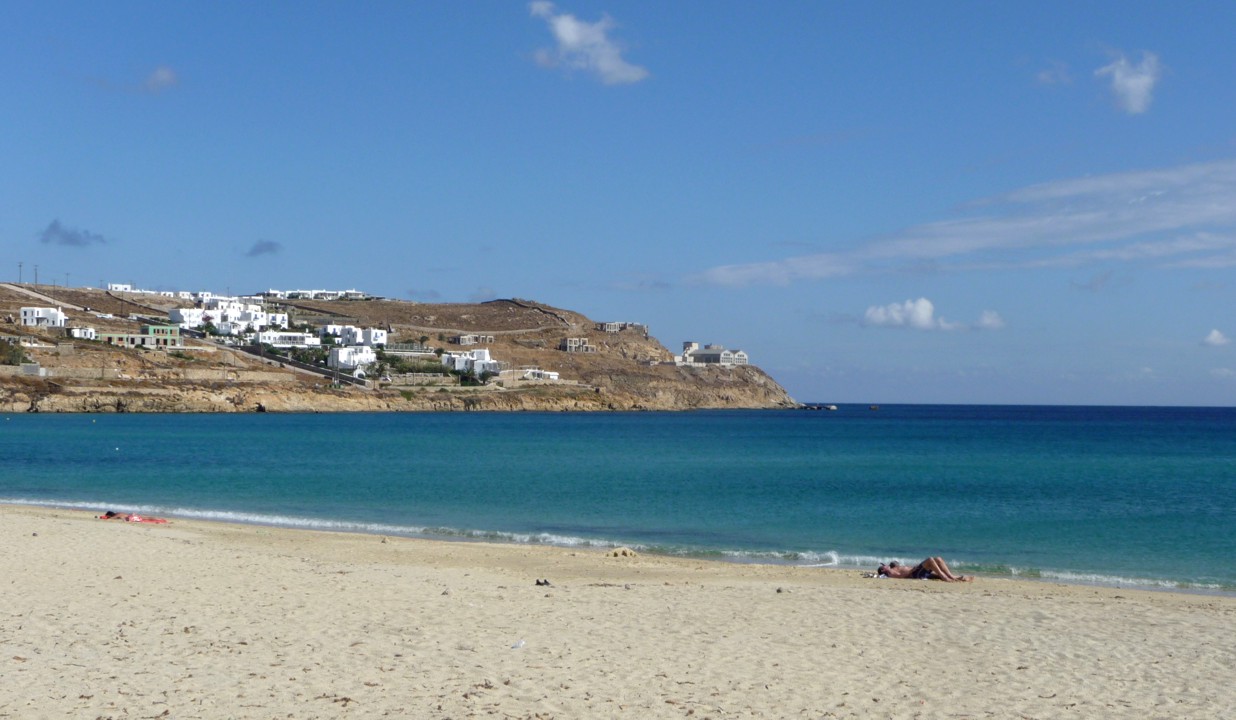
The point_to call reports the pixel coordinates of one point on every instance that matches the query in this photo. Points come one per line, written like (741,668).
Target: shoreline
(212,619)
(584,544)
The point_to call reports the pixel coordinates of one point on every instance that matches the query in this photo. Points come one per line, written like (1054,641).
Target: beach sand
(210,620)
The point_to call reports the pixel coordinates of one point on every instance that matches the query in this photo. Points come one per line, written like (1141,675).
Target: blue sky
(879,202)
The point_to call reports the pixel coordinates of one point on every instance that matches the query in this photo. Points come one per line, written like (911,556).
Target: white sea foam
(822,559)
(1076,578)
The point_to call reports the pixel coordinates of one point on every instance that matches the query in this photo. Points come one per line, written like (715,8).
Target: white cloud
(783,272)
(990,320)
(1186,213)
(160,79)
(915,313)
(1223,372)
(584,46)
(920,314)
(1133,85)
(1216,339)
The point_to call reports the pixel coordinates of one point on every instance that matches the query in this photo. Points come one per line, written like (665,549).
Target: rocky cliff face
(692,389)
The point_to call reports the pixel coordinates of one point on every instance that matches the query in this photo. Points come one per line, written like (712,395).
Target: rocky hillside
(629,369)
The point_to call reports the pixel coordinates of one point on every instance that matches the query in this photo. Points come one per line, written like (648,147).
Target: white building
(83,333)
(350,358)
(369,337)
(693,354)
(576,345)
(187,317)
(228,315)
(43,317)
(539,374)
(613,327)
(284,339)
(352,335)
(119,287)
(477,361)
(350,294)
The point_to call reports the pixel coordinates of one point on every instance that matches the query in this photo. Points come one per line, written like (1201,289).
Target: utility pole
(19,273)
(36,275)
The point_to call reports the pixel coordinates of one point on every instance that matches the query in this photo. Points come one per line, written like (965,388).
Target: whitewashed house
(352,335)
(693,354)
(43,317)
(539,374)
(187,318)
(477,361)
(228,315)
(350,358)
(83,333)
(284,339)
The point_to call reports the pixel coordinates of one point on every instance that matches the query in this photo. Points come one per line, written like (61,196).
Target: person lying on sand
(131,517)
(933,568)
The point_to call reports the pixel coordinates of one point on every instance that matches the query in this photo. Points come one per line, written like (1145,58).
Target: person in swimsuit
(131,517)
(933,568)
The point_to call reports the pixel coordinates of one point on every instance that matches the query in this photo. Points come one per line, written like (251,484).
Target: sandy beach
(209,620)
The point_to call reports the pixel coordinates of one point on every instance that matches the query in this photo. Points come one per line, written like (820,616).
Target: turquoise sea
(1127,496)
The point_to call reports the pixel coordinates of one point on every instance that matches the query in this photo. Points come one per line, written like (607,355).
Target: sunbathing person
(933,568)
(132,517)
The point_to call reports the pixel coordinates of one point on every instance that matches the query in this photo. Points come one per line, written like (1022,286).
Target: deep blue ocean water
(1130,496)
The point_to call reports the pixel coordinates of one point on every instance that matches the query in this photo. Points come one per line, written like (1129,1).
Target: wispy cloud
(783,272)
(58,234)
(1216,339)
(641,283)
(990,320)
(1056,73)
(1096,283)
(1132,85)
(584,46)
(161,79)
(264,247)
(920,314)
(1184,215)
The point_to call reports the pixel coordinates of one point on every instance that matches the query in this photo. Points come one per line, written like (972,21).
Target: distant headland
(66,349)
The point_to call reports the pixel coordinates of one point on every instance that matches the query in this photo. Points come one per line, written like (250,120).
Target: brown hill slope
(627,370)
